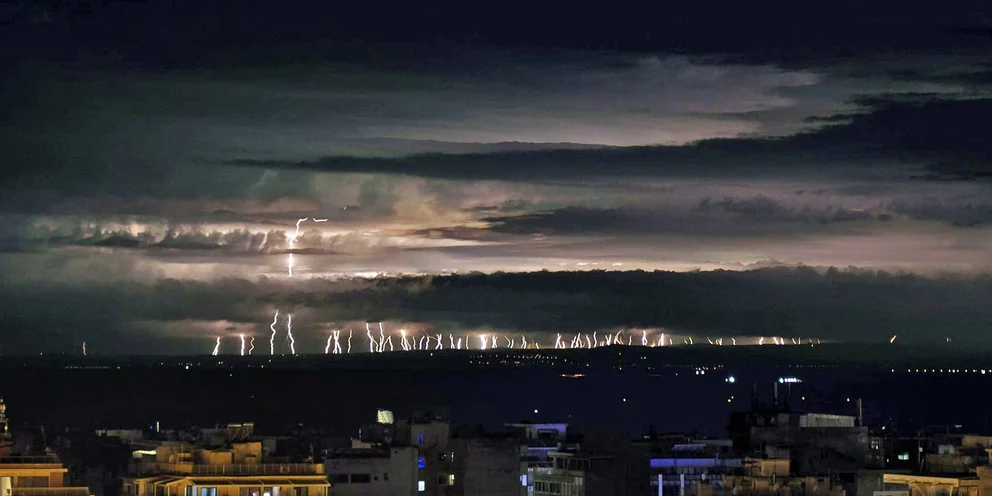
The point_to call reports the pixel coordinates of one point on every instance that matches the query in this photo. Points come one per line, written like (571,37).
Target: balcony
(190,468)
(50,491)
(48,462)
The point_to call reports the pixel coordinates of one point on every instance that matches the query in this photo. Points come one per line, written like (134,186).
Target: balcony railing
(50,491)
(189,468)
(31,461)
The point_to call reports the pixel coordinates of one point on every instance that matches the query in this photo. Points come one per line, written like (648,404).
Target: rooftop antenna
(861,418)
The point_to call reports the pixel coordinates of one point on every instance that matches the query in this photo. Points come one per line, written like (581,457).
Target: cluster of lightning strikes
(382,341)
(379,340)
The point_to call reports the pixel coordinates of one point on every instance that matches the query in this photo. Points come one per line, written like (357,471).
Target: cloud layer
(158,159)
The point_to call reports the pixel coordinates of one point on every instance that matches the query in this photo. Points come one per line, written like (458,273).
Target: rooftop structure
(29,474)
(238,469)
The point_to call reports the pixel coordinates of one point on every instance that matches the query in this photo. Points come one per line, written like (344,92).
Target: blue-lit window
(421,438)
(421,463)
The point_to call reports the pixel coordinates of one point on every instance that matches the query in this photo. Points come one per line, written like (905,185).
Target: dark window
(421,439)
(385,476)
(188,491)
(361,478)
(300,491)
(338,478)
(441,480)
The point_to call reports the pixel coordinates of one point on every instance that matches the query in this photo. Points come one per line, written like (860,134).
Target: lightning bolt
(629,339)
(382,337)
(558,342)
(459,343)
(523,342)
(368,333)
(337,342)
(617,339)
(661,340)
(292,243)
(761,340)
(84,348)
(893,340)
(349,340)
(404,343)
(644,338)
(242,344)
(297,233)
(495,341)
(439,345)
(690,339)
(710,340)
(289,334)
(272,340)
(389,341)
(733,341)
(451,339)
(320,220)
(483,339)
(216,347)
(588,342)
(327,347)
(509,342)
(251,346)
(595,340)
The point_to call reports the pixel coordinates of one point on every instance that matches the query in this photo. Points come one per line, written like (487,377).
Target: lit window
(420,462)
(451,479)
(421,439)
(903,456)
(421,487)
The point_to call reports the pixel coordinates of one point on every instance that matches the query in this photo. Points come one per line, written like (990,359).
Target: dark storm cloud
(749,217)
(942,139)
(184,33)
(852,305)
(152,151)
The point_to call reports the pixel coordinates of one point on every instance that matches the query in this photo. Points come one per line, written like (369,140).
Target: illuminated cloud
(152,186)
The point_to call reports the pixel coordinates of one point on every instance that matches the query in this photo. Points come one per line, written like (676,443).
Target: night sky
(793,169)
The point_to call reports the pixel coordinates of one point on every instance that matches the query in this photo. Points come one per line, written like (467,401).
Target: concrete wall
(486,466)
(392,474)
